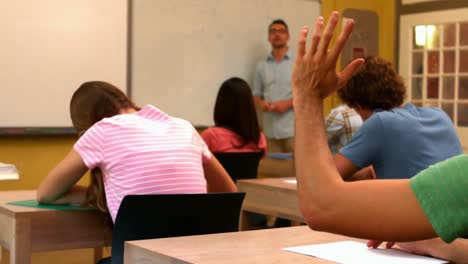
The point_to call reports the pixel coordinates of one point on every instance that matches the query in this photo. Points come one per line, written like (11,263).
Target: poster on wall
(364,41)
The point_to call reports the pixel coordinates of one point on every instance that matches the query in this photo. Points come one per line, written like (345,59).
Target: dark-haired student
(432,203)
(236,126)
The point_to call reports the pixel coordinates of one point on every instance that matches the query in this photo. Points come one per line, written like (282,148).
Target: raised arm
(377,209)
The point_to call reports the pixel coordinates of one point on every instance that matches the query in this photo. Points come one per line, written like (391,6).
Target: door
(434,63)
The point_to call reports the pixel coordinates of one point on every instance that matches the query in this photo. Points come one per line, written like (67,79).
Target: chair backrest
(240,165)
(170,215)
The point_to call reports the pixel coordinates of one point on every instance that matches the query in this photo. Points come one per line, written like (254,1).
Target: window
(439,68)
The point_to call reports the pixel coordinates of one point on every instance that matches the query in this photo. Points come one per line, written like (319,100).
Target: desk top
(260,246)
(11,196)
(271,182)
(14,210)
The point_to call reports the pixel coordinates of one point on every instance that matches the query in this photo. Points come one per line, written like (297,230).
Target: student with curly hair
(398,140)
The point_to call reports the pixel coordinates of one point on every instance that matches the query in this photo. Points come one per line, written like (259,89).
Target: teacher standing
(272,90)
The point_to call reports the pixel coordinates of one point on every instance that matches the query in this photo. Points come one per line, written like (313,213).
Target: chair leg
(244,221)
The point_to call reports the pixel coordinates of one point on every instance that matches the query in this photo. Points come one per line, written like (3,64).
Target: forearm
(366,173)
(75,196)
(313,170)
(456,252)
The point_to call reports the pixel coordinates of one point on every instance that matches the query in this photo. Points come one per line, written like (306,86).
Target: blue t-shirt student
(403,141)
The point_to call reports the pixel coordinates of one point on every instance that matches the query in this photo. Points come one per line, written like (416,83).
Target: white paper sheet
(291,181)
(351,252)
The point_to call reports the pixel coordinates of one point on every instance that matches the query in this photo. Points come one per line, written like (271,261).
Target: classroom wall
(386,12)
(36,155)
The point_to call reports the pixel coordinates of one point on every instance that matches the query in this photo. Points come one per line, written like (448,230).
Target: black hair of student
(280,22)
(235,110)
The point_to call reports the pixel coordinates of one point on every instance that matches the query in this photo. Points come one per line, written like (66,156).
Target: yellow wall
(385,9)
(34,156)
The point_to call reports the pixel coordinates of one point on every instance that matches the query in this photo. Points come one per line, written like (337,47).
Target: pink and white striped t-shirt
(147,152)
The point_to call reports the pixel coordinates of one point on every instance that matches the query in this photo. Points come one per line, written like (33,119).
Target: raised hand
(314,75)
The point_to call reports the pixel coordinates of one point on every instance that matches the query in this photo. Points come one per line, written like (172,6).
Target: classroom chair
(171,215)
(244,165)
(240,165)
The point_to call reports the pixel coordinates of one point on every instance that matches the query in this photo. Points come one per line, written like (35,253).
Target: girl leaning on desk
(129,150)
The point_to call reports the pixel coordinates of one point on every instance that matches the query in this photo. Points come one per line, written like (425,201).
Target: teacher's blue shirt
(272,82)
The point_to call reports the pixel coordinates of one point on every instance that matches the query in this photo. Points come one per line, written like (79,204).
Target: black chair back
(240,165)
(171,215)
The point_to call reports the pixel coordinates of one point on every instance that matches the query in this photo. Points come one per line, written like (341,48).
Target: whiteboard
(50,47)
(182,50)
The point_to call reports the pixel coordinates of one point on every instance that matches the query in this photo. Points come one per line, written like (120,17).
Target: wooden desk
(24,230)
(270,196)
(259,246)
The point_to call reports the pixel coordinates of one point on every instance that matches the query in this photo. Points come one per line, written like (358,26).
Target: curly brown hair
(375,86)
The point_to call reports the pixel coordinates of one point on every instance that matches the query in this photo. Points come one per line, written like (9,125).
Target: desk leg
(20,252)
(97,254)
(244,221)
(1,252)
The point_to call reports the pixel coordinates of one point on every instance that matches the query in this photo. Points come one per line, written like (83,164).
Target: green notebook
(35,204)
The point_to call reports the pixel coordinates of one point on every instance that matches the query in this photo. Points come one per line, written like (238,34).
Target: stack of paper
(8,172)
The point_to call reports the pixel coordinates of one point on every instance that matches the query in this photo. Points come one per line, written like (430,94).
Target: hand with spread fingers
(314,74)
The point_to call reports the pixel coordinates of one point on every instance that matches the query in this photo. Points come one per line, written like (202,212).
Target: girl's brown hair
(90,103)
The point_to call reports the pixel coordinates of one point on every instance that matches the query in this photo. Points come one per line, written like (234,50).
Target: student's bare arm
(456,252)
(345,167)
(57,187)
(217,178)
(366,173)
(378,209)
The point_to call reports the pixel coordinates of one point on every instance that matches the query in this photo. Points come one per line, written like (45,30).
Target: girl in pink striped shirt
(129,151)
